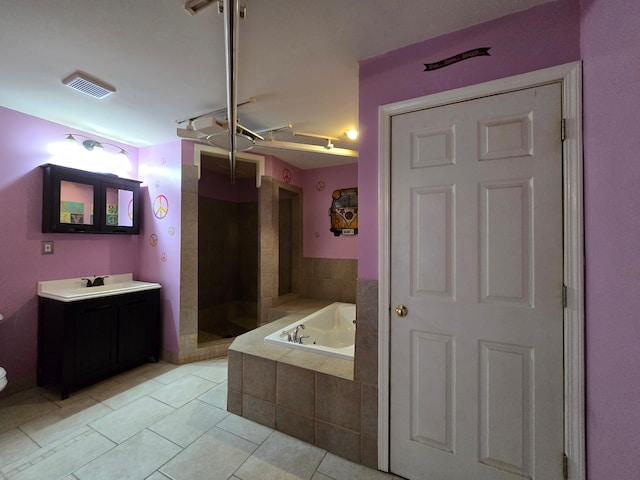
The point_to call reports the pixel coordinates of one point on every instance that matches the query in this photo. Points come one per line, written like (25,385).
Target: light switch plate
(47,247)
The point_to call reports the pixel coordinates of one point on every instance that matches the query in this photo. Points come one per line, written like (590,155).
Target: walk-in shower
(228,249)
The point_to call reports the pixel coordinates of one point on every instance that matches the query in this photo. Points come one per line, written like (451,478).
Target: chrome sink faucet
(294,337)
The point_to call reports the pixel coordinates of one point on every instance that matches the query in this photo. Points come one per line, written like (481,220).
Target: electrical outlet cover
(47,247)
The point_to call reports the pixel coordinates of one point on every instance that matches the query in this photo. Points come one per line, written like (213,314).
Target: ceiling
(297,58)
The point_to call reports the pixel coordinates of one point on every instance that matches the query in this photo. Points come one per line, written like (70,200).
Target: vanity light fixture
(352,134)
(93,145)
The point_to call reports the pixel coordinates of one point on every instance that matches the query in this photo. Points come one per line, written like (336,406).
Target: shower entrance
(228,248)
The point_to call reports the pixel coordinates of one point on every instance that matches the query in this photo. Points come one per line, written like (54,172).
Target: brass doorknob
(401,311)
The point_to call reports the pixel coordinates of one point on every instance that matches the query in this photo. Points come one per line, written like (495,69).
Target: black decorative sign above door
(476,52)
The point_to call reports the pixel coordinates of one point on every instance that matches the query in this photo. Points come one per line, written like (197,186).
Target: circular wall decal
(320,186)
(163,256)
(160,207)
(286,175)
(153,239)
(172,231)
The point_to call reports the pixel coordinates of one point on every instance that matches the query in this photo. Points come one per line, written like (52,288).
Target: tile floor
(156,422)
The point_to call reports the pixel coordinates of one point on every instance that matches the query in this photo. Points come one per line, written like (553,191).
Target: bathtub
(331,330)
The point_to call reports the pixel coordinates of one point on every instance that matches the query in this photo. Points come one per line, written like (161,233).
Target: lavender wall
(160,170)
(537,38)
(610,41)
(606,35)
(318,185)
(26,143)
(279,169)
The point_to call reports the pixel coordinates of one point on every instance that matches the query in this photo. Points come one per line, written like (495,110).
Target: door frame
(570,75)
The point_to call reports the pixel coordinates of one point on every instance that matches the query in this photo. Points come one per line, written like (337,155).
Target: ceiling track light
(91,145)
(242,9)
(215,113)
(352,134)
(329,139)
(315,135)
(193,7)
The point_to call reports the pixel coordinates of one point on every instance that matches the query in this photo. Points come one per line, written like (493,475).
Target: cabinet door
(120,208)
(137,330)
(94,340)
(69,202)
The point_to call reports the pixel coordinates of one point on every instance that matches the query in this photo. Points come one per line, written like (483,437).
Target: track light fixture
(93,145)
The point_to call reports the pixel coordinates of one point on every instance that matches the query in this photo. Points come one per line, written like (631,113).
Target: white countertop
(75,289)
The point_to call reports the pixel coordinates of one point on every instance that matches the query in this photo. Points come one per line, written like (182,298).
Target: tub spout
(301,337)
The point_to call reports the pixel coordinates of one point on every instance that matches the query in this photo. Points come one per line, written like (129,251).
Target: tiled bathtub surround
(321,400)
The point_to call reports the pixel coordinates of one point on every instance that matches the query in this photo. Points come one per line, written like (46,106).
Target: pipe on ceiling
(231,24)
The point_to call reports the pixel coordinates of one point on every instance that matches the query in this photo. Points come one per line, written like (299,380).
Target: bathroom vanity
(86,334)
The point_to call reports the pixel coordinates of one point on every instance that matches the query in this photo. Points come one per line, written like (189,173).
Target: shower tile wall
(329,279)
(228,262)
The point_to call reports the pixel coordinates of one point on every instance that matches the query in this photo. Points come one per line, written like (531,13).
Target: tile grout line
(49,450)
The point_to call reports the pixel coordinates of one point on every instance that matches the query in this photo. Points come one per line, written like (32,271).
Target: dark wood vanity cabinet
(85,341)
(76,201)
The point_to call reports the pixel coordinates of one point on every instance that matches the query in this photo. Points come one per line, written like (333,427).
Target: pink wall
(280,170)
(318,184)
(160,170)
(537,38)
(606,36)
(610,41)
(25,144)
(317,240)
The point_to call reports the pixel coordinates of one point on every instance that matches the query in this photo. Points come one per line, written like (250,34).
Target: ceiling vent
(84,83)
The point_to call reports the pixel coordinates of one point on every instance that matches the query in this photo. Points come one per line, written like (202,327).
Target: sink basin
(69,290)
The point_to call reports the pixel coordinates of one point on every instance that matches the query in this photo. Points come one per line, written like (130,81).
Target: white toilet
(3,378)
(3,372)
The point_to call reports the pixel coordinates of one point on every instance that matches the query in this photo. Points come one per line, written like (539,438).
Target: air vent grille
(90,86)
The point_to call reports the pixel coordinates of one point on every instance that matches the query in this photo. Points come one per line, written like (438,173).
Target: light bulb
(352,134)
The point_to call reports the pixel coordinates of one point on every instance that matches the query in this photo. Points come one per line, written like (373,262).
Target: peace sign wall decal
(160,207)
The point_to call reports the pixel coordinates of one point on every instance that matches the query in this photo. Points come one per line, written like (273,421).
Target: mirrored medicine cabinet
(76,201)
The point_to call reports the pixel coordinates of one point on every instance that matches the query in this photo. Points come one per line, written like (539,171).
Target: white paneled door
(476,380)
